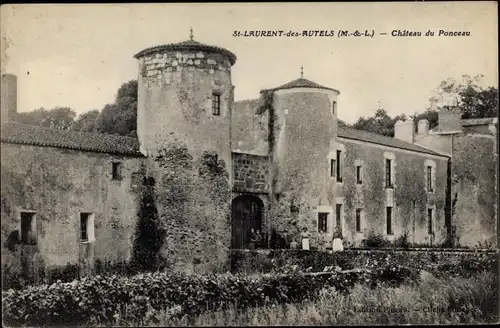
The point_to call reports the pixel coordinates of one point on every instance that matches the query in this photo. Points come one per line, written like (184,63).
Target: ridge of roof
(300,83)
(187,45)
(372,137)
(17,133)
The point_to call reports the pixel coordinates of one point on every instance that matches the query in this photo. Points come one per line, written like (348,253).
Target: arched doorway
(246,213)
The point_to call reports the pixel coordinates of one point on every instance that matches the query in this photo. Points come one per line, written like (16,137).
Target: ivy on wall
(194,197)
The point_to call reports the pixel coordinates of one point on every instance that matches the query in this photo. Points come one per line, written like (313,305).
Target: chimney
(449,119)
(423,127)
(404,130)
(9,97)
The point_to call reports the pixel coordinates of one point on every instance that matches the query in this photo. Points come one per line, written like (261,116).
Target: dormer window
(215,104)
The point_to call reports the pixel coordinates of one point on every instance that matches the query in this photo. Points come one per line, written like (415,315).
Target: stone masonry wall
(474,195)
(58,184)
(175,102)
(193,201)
(304,131)
(249,128)
(409,198)
(251,173)
(190,152)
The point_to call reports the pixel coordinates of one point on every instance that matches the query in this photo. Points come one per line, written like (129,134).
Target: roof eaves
(422,150)
(183,45)
(86,149)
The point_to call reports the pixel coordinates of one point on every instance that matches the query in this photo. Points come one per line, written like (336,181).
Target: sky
(79,55)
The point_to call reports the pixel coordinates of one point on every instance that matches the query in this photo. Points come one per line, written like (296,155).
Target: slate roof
(106,143)
(375,138)
(17,133)
(301,83)
(187,45)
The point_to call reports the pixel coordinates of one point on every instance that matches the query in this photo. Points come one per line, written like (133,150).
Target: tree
(380,123)
(341,123)
(87,122)
(149,235)
(430,115)
(474,100)
(58,118)
(120,117)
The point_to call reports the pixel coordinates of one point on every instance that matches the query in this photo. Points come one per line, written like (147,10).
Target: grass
(434,301)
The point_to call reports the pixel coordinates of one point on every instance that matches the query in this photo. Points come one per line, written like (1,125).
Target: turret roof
(301,83)
(187,45)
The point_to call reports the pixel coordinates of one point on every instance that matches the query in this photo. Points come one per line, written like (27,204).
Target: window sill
(86,241)
(389,187)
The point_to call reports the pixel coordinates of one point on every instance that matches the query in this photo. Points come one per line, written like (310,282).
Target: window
(86,227)
(28,228)
(359,174)
(216,104)
(430,175)
(429,179)
(388,216)
(358,220)
(323,222)
(117,170)
(332,168)
(338,213)
(429,221)
(334,107)
(339,168)
(388,173)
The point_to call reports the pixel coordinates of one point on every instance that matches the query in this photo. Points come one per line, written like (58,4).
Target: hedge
(439,263)
(103,299)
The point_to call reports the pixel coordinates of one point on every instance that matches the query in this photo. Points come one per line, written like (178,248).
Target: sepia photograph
(249,164)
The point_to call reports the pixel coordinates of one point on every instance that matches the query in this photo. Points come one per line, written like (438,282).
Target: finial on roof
(191,33)
(302,71)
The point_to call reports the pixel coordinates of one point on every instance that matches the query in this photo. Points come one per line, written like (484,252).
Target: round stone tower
(185,93)
(304,143)
(185,97)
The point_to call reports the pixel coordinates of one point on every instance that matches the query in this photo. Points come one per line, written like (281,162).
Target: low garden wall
(459,262)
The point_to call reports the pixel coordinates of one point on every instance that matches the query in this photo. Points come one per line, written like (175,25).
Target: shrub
(402,241)
(376,240)
(448,296)
(438,263)
(99,299)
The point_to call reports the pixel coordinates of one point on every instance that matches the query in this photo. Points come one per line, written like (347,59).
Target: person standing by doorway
(321,241)
(258,240)
(337,244)
(253,239)
(305,238)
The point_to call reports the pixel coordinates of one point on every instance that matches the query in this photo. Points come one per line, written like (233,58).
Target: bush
(376,240)
(402,241)
(100,300)
(439,263)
